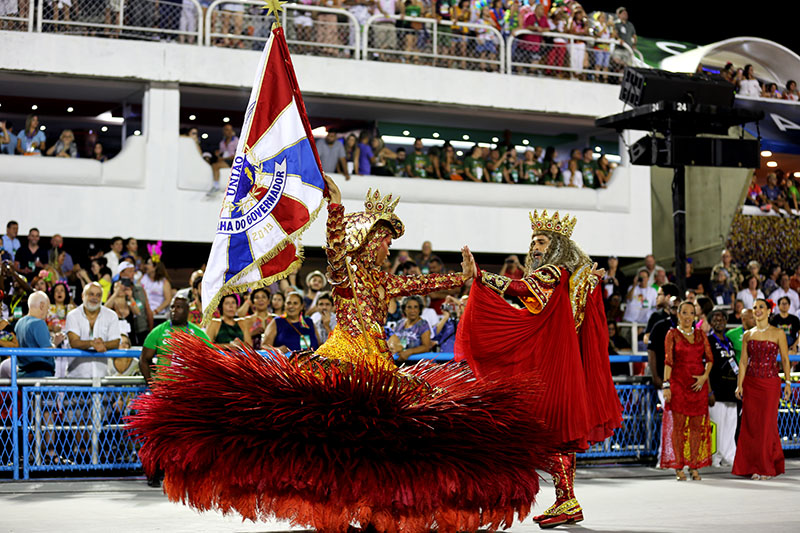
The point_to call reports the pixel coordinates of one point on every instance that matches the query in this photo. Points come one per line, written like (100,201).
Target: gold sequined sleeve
(335,249)
(533,291)
(407,285)
(581,285)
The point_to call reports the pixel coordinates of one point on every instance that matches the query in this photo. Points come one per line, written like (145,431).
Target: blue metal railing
(60,425)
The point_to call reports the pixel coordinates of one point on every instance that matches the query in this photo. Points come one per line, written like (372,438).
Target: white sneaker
(212,191)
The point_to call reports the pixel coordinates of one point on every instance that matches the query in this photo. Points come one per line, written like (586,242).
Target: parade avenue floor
(623,499)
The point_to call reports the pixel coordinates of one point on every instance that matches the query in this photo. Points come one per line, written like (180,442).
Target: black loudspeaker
(642,86)
(696,151)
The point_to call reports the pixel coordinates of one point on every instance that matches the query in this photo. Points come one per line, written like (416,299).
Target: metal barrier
(169,20)
(567,56)
(74,425)
(440,43)
(17,15)
(310,30)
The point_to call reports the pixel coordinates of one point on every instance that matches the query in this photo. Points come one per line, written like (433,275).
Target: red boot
(566,509)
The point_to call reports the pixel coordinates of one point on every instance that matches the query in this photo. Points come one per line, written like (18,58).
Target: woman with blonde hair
(65,146)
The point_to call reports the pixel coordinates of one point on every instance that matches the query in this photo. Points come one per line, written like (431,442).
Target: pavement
(620,499)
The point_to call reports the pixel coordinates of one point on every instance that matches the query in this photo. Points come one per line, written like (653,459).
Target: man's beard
(537,260)
(92,307)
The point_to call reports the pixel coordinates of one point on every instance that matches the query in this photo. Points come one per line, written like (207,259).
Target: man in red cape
(560,333)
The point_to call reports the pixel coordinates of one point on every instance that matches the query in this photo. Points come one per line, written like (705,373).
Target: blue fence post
(25,446)
(14,416)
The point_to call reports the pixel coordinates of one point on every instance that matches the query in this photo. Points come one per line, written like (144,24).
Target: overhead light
(319,131)
(766,153)
(137,132)
(435,134)
(204,136)
(42,127)
(495,139)
(192,117)
(109,118)
(598,149)
(70,109)
(91,132)
(406,133)
(226,119)
(772,164)
(465,137)
(526,142)
(459,153)
(796,174)
(34,107)
(104,129)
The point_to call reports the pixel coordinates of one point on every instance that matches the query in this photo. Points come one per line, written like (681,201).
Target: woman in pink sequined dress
(758,451)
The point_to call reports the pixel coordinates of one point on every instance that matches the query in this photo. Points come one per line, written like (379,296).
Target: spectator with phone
(641,299)
(512,268)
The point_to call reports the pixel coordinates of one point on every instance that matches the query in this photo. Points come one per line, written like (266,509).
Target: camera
(450,308)
(126,282)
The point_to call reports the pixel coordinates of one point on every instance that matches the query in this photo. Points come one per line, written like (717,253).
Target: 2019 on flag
(275,188)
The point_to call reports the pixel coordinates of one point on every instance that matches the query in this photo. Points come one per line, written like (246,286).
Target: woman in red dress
(686,397)
(758,450)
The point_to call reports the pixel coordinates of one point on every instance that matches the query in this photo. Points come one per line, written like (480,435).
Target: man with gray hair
(32,332)
(91,326)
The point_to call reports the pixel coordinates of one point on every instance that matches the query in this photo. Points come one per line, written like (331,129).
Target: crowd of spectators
(369,155)
(780,194)
(747,84)
(32,141)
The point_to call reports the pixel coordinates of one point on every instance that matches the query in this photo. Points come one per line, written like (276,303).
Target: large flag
(275,188)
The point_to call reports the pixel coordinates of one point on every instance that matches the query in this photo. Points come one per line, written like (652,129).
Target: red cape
(500,340)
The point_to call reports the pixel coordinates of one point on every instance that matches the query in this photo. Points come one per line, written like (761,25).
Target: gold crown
(564,226)
(380,205)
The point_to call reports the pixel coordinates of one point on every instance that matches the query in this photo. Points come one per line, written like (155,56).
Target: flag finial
(274,7)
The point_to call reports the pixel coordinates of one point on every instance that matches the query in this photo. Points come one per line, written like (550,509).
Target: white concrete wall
(200,65)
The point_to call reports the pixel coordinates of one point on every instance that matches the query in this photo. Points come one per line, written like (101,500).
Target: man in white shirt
(324,318)
(641,300)
(115,254)
(785,290)
(91,326)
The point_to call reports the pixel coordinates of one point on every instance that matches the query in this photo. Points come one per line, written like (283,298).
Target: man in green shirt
(418,164)
(735,335)
(588,167)
(155,343)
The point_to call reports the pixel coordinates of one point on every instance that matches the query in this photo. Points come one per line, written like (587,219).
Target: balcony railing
(330,32)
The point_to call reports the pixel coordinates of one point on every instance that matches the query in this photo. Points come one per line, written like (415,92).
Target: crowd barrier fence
(59,425)
(331,32)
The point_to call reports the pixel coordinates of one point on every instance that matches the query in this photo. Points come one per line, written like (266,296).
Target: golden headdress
(376,208)
(542,222)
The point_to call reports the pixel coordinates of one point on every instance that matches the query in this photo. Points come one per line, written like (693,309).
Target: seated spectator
(383,157)
(754,268)
(131,253)
(114,254)
(617,345)
(331,155)
(771,91)
(614,280)
(473,165)
(786,290)
(573,177)
(494,168)
(324,318)
(350,146)
(449,165)
(31,258)
(424,257)
(770,284)
(292,332)
(8,141)
(91,326)
(437,298)
(755,195)
(735,277)
(277,304)
(65,146)
(774,194)
(224,156)
(434,158)
(11,242)
(659,278)
(315,282)
(60,306)
(787,322)
(735,317)
(227,329)
(124,366)
(693,281)
(750,293)
(531,168)
(512,268)
(588,167)
(32,332)
(399,164)
(791,92)
(412,335)
(603,172)
(157,284)
(614,307)
(196,305)
(552,176)
(641,299)
(722,292)
(444,333)
(256,322)
(98,154)
(31,140)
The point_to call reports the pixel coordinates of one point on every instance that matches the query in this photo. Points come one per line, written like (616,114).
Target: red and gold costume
(560,334)
(685,426)
(343,436)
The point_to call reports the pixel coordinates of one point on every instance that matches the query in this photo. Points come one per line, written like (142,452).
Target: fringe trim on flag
(230,287)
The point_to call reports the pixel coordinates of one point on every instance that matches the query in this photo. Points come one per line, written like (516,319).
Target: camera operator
(122,302)
(512,268)
(445,331)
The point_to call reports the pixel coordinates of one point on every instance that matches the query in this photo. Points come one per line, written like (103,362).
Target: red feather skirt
(333,446)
